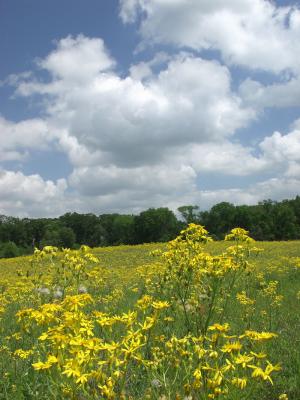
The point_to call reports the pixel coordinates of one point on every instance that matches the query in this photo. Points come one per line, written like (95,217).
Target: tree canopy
(267,220)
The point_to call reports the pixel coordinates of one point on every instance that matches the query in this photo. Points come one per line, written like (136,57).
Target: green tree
(155,225)
(66,237)
(285,222)
(99,236)
(9,250)
(220,219)
(51,238)
(122,229)
(189,214)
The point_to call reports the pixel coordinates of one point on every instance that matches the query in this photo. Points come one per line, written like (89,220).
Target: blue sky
(29,29)
(117,106)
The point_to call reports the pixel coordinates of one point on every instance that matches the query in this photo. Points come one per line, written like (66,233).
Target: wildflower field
(191,319)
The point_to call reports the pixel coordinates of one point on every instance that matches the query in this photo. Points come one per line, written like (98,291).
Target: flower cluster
(171,330)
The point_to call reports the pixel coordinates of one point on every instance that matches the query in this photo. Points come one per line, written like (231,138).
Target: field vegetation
(192,319)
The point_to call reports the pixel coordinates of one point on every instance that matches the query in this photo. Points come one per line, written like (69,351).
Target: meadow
(187,320)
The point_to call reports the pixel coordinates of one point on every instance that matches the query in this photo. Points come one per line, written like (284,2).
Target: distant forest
(268,220)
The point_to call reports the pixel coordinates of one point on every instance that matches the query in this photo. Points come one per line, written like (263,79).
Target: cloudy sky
(117,106)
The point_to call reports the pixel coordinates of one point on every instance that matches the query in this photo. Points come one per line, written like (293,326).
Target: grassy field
(199,321)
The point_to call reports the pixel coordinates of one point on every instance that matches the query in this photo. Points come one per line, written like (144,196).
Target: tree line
(268,220)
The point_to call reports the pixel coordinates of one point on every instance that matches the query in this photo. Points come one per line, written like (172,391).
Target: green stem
(211,308)
(227,297)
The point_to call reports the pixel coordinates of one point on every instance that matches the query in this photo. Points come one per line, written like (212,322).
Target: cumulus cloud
(139,140)
(18,138)
(163,179)
(252,34)
(130,121)
(275,188)
(78,59)
(174,182)
(227,158)
(255,34)
(281,95)
(282,147)
(30,195)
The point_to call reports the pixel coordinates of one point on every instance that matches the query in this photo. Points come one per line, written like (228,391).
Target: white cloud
(280,147)
(226,158)
(130,122)
(260,96)
(254,34)
(278,188)
(30,195)
(293,170)
(129,10)
(251,33)
(275,189)
(141,140)
(163,179)
(78,154)
(78,59)
(144,69)
(17,138)
(173,183)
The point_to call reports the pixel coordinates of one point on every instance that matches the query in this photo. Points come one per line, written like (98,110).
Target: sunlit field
(187,320)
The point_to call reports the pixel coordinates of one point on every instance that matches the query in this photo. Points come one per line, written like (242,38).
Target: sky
(117,106)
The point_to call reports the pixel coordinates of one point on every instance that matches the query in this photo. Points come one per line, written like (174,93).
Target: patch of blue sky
(211,181)
(270,120)
(240,74)
(31,27)
(28,31)
(49,164)
(16,108)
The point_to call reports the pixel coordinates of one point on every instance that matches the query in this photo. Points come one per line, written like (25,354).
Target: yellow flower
(82,379)
(239,382)
(283,396)
(72,370)
(219,327)
(264,374)
(46,365)
(258,355)
(73,303)
(239,234)
(160,305)
(23,354)
(40,365)
(229,347)
(244,299)
(148,323)
(52,359)
(259,336)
